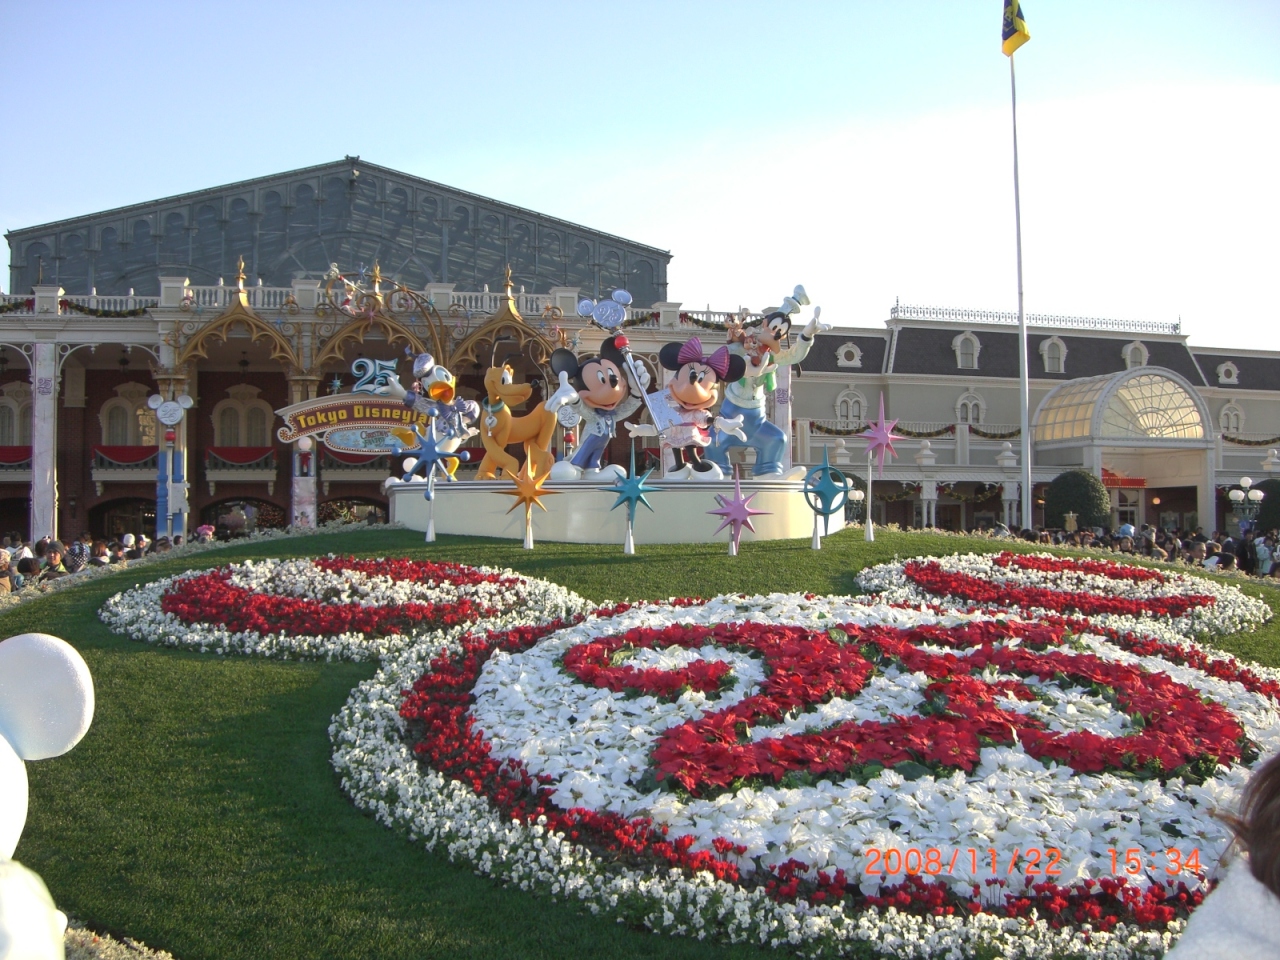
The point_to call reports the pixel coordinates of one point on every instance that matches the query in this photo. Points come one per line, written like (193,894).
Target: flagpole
(1024,388)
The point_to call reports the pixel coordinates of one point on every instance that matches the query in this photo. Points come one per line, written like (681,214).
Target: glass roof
(1130,405)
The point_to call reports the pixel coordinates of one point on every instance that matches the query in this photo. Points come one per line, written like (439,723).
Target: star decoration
(823,492)
(632,490)
(528,491)
(880,437)
(429,455)
(737,512)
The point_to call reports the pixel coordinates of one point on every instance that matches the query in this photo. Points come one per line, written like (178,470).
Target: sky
(863,149)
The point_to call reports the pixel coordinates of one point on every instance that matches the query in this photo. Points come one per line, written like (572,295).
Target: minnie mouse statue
(681,411)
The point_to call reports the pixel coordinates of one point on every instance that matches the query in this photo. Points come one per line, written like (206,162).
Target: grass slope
(200,814)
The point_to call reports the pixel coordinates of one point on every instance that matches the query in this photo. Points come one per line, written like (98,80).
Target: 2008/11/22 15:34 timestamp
(1032,861)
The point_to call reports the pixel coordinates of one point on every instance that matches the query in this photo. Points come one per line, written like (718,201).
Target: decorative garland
(95,312)
(18,305)
(838,432)
(906,494)
(926,434)
(989,435)
(704,324)
(1242,442)
(981,497)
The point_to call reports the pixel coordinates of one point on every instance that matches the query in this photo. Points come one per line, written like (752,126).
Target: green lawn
(200,814)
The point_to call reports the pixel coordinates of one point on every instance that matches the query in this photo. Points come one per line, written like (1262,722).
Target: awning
(241,456)
(125,456)
(11,456)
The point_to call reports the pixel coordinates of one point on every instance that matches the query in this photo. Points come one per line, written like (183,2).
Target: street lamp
(1246,501)
(853,505)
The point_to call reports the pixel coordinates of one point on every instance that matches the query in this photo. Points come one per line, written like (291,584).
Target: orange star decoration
(528,492)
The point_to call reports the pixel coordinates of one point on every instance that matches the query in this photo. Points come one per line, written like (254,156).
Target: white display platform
(579,511)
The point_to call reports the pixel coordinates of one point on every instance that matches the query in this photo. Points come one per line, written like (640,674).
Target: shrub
(1078,492)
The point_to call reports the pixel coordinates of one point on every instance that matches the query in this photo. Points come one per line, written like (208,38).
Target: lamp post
(1246,501)
(856,498)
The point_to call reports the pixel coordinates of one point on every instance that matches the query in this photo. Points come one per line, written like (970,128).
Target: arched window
(848,355)
(1228,373)
(1054,353)
(118,433)
(243,419)
(1231,418)
(967,348)
(256,428)
(970,408)
(850,406)
(8,426)
(1135,355)
(229,427)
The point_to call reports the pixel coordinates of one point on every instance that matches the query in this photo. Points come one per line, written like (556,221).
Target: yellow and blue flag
(1014,32)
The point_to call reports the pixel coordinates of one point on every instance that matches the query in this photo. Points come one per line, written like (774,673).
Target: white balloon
(13,799)
(46,695)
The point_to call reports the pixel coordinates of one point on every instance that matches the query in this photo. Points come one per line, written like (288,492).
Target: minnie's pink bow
(691,352)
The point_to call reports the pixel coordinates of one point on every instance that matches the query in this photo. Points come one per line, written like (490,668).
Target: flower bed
(330,607)
(1037,584)
(824,772)
(1013,756)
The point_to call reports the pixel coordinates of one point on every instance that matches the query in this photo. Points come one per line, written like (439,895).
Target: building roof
(928,350)
(1253,372)
(823,355)
(351,212)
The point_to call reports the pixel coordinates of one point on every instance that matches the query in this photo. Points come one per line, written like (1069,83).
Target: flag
(1014,32)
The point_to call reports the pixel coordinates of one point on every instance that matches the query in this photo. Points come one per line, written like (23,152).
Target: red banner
(125,456)
(10,456)
(240,455)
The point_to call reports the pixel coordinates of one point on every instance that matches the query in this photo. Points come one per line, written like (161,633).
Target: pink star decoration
(880,437)
(737,512)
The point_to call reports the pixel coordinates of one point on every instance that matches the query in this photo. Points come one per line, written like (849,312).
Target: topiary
(1078,492)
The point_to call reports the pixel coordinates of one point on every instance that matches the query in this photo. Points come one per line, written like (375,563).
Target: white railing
(485,302)
(94,302)
(260,298)
(960,315)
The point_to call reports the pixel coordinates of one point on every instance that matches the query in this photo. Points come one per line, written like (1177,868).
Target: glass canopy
(1133,405)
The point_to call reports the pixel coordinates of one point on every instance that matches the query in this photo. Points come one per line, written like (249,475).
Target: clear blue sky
(859,148)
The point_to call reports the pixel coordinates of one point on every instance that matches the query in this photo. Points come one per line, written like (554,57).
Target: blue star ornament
(632,490)
(824,493)
(428,455)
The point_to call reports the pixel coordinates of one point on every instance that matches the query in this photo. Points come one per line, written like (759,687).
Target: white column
(1207,494)
(782,416)
(44,440)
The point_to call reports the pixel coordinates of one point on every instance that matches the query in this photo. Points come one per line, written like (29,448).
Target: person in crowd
(1199,536)
(98,554)
(1240,919)
(23,550)
(1197,552)
(5,585)
(178,540)
(54,568)
(41,550)
(1246,553)
(161,545)
(132,548)
(1213,555)
(28,570)
(76,559)
(1264,549)
(1227,562)
(115,552)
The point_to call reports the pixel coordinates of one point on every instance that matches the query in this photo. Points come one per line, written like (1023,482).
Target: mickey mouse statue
(46,706)
(599,393)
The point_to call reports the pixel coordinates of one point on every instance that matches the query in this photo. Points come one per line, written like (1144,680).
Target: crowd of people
(32,562)
(1254,552)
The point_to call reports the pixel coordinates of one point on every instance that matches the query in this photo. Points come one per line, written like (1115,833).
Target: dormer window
(1054,353)
(848,355)
(850,406)
(967,348)
(1231,418)
(1135,355)
(1228,373)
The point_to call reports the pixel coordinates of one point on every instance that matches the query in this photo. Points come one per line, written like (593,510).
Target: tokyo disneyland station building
(230,297)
